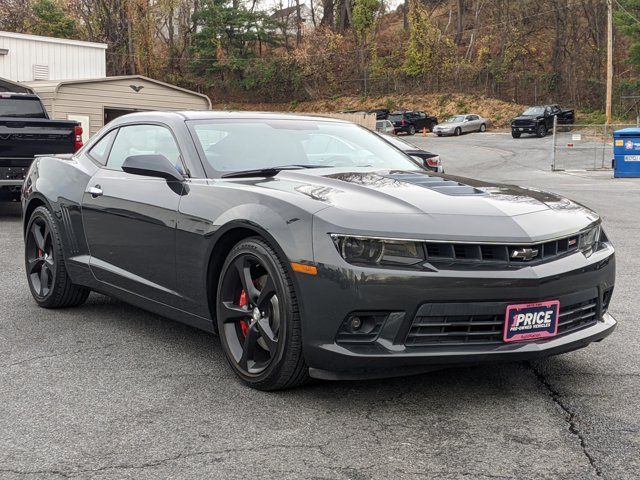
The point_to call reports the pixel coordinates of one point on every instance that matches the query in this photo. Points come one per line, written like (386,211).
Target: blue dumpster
(626,151)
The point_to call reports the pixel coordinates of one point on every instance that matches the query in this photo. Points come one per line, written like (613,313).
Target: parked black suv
(539,120)
(411,122)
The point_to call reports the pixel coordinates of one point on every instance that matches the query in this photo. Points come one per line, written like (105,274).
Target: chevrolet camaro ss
(313,247)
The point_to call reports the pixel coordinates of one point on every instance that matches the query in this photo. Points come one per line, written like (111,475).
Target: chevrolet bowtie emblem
(524,254)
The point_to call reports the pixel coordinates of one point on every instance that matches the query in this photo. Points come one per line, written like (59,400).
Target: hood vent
(440,185)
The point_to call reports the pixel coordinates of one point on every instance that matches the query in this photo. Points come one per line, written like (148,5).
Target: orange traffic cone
(424,131)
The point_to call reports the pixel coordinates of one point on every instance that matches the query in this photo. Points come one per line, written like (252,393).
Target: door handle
(95,191)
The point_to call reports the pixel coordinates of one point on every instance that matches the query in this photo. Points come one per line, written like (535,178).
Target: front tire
(258,318)
(541,131)
(412,130)
(457,132)
(515,134)
(47,276)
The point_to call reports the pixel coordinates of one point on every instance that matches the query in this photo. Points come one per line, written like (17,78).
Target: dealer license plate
(527,321)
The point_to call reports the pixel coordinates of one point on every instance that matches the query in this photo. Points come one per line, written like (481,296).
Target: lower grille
(579,316)
(460,324)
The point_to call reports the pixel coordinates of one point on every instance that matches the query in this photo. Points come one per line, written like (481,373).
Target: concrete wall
(365,119)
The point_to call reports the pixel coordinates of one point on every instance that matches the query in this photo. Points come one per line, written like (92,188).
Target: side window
(143,140)
(100,150)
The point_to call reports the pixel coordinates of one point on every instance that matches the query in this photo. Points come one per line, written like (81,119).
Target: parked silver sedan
(460,124)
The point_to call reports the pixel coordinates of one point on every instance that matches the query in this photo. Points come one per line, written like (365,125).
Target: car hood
(527,117)
(413,202)
(415,192)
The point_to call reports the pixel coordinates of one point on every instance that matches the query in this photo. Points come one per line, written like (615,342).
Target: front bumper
(376,365)
(340,290)
(524,128)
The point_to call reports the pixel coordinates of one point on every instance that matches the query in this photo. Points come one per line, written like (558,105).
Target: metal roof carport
(92,102)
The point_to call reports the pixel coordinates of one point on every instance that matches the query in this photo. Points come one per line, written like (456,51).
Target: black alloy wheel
(40,257)
(258,320)
(515,134)
(412,130)
(50,285)
(542,131)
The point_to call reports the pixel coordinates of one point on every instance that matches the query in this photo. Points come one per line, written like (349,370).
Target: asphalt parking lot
(110,391)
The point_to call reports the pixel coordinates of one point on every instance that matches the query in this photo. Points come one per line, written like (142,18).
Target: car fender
(285,231)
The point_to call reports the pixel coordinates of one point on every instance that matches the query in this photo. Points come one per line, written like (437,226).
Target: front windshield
(533,111)
(251,144)
(456,119)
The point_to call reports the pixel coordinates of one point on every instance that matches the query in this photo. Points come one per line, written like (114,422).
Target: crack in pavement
(162,461)
(61,354)
(34,472)
(570,417)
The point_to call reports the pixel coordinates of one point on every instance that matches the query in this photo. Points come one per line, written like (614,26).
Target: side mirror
(152,166)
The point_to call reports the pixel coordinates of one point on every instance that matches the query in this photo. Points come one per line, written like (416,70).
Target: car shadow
(10,209)
(204,352)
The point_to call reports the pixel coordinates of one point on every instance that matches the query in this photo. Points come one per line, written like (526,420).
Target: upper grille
(466,324)
(501,253)
(524,123)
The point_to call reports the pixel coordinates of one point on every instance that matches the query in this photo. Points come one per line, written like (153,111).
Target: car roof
(224,114)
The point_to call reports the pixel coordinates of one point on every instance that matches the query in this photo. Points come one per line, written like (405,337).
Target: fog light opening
(355,324)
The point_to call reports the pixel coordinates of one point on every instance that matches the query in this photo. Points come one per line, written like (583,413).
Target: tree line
(527,51)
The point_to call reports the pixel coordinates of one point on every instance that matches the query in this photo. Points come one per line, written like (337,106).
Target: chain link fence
(584,147)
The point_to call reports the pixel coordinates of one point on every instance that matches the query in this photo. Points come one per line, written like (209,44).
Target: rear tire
(47,276)
(264,345)
(483,128)
(515,134)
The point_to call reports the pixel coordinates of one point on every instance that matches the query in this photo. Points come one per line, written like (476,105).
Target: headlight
(590,239)
(378,251)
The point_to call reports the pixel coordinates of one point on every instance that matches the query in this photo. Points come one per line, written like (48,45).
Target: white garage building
(24,58)
(95,102)
(70,78)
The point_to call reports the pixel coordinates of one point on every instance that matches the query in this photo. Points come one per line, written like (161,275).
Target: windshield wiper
(267,172)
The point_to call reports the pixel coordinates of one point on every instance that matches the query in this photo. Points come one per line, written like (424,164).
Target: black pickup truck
(26,131)
(411,121)
(539,120)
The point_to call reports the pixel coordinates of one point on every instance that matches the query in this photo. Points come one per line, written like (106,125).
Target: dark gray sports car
(313,247)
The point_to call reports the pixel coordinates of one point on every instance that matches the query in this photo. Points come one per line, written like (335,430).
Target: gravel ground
(110,391)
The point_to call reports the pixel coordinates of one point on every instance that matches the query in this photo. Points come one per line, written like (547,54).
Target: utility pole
(609,60)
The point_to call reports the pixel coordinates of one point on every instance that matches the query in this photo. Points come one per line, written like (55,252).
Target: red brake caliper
(244,325)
